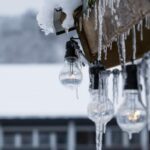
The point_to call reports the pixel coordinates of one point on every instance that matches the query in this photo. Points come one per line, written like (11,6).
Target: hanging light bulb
(100,110)
(71,75)
(131,116)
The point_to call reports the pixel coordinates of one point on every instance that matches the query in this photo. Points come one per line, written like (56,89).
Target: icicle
(128,32)
(111,45)
(84,16)
(96,15)
(107,2)
(125,35)
(134,42)
(116,73)
(130,136)
(147,22)
(138,26)
(122,50)
(99,136)
(118,3)
(112,6)
(88,14)
(117,20)
(104,128)
(141,29)
(100,34)
(104,84)
(105,51)
(103,7)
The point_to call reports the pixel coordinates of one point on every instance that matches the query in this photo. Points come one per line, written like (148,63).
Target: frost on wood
(45,17)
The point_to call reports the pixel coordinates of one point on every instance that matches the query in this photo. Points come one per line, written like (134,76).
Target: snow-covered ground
(35,91)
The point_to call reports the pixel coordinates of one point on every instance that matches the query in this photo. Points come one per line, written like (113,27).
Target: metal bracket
(59,16)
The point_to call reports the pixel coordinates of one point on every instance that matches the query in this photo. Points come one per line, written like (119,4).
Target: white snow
(35,91)
(45,16)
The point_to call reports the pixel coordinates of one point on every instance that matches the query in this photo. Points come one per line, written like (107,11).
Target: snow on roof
(35,91)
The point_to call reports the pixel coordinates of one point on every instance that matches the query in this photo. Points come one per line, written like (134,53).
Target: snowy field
(35,91)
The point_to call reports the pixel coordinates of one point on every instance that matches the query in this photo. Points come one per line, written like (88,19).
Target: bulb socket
(94,75)
(131,82)
(71,54)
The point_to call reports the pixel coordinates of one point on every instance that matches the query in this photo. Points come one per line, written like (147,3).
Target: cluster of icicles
(102,109)
(99,11)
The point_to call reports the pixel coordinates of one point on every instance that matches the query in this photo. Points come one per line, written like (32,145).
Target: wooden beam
(89,43)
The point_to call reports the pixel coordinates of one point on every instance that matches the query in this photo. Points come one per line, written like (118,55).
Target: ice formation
(145,72)
(134,42)
(45,17)
(101,109)
(116,74)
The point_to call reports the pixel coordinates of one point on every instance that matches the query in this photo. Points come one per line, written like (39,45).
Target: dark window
(84,138)
(135,140)
(26,139)
(44,139)
(9,139)
(117,137)
(61,138)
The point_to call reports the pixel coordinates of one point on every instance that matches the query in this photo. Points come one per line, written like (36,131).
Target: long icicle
(99,136)
(134,42)
(100,33)
(122,50)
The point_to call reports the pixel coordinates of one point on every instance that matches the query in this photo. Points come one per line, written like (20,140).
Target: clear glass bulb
(131,116)
(100,110)
(71,75)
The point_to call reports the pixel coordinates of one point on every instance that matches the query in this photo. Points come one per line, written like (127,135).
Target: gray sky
(17,7)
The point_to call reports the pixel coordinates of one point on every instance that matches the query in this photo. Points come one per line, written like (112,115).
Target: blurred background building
(36,112)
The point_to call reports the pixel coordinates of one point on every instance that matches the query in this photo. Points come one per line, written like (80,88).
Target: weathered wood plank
(130,14)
